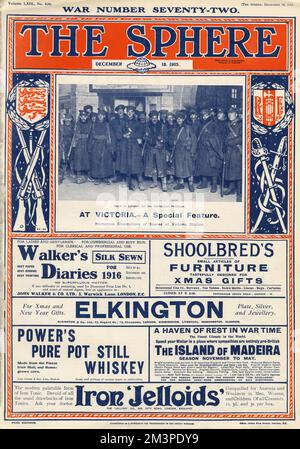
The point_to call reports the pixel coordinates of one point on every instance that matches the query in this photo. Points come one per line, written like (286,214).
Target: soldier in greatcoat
(133,144)
(221,130)
(233,154)
(66,133)
(88,109)
(118,124)
(240,113)
(171,131)
(221,124)
(101,144)
(170,119)
(142,118)
(80,153)
(92,119)
(155,152)
(209,152)
(61,154)
(162,115)
(193,121)
(184,152)
(112,116)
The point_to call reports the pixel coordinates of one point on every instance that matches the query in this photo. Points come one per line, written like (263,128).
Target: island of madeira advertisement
(150,231)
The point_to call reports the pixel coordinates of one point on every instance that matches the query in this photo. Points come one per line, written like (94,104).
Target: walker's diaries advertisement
(150,224)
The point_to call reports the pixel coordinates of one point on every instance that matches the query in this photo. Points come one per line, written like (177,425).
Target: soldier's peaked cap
(205,111)
(181,114)
(163,111)
(87,106)
(232,109)
(131,108)
(153,114)
(120,106)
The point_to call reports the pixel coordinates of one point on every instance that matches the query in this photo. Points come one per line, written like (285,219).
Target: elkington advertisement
(150,226)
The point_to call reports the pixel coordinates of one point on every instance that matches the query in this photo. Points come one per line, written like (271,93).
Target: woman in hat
(184,152)
(233,154)
(101,149)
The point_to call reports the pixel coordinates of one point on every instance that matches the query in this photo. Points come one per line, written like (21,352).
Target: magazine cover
(150,229)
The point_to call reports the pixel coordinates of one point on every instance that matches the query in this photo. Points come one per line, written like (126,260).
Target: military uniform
(163,113)
(133,150)
(101,145)
(184,152)
(194,121)
(233,151)
(209,152)
(142,123)
(118,126)
(233,155)
(80,154)
(221,125)
(88,109)
(131,147)
(61,153)
(66,132)
(171,134)
(155,152)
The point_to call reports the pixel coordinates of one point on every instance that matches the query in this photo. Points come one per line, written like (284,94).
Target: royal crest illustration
(141,65)
(272,108)
(27,107)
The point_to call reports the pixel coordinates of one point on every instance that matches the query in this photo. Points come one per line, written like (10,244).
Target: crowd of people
(200,149)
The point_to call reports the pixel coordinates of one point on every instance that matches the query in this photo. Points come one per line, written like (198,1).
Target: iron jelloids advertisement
(150,224)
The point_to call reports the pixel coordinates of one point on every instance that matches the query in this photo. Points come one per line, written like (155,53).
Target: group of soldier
(198,149)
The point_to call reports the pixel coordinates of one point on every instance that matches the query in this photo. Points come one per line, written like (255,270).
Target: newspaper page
(150,225)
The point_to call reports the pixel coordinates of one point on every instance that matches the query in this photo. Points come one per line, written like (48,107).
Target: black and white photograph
(150,138)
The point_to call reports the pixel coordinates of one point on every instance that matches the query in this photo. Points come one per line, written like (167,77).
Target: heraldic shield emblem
(272,108)
(268,106)
(28,109)
(32,103)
